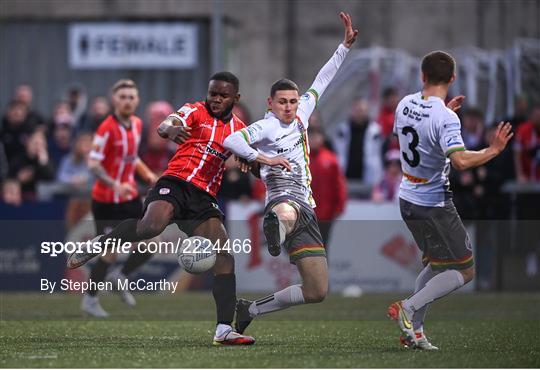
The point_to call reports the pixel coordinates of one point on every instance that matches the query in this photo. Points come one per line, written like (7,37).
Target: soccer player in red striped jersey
(114,161)
(185,193)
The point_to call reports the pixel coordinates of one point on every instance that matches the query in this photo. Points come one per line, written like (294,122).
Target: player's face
(221,98)
(284,105)
(125,101)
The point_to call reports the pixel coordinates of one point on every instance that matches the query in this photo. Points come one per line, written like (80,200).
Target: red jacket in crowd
(328,184)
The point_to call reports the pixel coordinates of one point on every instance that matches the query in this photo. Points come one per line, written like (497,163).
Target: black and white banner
(132,45)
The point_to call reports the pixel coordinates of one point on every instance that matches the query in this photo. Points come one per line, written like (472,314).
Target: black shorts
(440,235)
(192,206)
(108,215)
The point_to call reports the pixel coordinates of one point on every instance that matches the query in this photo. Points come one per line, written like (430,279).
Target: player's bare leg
(277,224)
(224,287)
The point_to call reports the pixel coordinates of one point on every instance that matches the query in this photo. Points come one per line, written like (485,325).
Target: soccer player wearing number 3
(279,144)
(430,140)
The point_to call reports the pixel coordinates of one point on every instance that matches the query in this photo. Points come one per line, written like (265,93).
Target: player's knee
(315,295)
(468,274)
(224,264)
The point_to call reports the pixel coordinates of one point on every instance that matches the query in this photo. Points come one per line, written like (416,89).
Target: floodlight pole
(217,41)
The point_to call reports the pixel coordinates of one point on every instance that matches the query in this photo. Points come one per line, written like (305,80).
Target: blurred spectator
(33,166)
(527,148)
(387,190)
(25,95)
(390,101)
(489,180)
(157,152)
(73,169)
(77,101)
(358,145)
(328,183)
(61,132)
(11,192)
(472,129)
(521,110)
(527,162)
(15,129)
(99,110)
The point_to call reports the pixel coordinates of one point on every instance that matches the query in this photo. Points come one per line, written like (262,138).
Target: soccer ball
(197,255)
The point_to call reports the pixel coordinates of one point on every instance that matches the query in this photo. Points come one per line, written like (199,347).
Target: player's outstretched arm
(329,70)
(463,160)
(239,146)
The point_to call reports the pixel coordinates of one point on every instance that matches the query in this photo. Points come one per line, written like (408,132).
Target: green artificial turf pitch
(472,330)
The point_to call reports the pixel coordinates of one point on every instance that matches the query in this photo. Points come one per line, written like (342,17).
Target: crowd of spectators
(356,158)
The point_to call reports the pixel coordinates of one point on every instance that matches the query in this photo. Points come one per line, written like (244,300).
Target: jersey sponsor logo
(206,125)
(216,153)
(453,140)
(305,97)
(208,149)
(295,145)
(164,191)
(281,137)
(452,124)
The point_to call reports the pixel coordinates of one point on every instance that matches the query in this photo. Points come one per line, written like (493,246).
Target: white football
(197,255)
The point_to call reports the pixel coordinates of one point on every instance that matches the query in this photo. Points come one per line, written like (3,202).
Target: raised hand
(456,102)
(350,34)
(502,136)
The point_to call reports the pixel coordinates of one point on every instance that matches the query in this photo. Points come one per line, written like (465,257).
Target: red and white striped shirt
(116,147)
(201,159)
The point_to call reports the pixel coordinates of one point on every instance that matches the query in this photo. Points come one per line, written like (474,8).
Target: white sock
(290,296)
(440,285)
(222,329)
(423,277)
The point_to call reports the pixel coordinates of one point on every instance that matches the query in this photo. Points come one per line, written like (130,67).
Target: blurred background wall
(260,41)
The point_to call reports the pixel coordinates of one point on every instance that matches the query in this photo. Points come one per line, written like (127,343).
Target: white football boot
(90,305)
(421,343)
(226,336)
(115,277)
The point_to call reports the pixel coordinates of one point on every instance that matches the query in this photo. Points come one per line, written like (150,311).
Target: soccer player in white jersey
(430,140)
(279,144)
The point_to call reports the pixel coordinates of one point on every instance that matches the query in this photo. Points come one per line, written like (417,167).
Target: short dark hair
(283,84)
(227,77)
(438,67)
(123,84)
